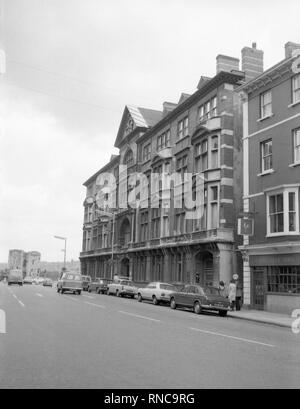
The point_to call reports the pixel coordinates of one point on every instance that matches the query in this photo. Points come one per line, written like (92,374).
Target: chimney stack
(226,63)
(168,107)
(252,62)
(290,48)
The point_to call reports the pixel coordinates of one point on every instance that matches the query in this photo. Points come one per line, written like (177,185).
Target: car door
(189,298)
(148,291)
(180,296)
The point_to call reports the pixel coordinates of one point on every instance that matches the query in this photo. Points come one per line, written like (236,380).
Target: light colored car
(15,277)
(122,288)
(71,282)
(156,292)
(28,280)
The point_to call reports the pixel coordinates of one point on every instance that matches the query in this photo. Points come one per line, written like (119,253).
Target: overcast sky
(72,65)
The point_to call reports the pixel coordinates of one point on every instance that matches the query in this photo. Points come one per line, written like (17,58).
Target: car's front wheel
(62,291)
(140,299)
(58,290)
(222,313)
(89,290)
(173,304)
(197,308)
(155,300)
(79,292)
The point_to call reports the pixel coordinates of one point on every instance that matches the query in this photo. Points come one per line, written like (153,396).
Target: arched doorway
(204,274)
(125,233)
(125,267)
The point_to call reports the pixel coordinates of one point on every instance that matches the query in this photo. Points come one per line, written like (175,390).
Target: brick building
(200,136)
(271,186)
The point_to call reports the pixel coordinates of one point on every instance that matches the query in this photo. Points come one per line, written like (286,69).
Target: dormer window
(128,159)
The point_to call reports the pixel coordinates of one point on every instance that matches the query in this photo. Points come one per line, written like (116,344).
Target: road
(97,341)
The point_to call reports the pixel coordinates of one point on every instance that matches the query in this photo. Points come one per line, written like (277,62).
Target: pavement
(263,317)
(91,341)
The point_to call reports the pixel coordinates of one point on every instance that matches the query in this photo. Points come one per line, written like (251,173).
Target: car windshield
(168,287)
(74,277)
(86,278)
(212,291)
(127,283)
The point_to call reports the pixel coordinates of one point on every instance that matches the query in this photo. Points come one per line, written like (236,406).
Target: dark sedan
(99,285)
(199,299)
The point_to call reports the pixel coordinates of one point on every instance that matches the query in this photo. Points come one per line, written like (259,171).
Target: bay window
(283,212)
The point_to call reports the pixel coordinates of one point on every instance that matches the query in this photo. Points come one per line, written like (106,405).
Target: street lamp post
(65,249)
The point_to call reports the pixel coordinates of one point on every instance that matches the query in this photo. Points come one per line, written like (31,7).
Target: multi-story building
(271,186)
(162,237)
(29,262)
(32,263)
(16,259)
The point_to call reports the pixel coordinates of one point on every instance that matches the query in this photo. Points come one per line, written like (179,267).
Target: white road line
(39,295)
(232,337)
(2,322)
(95,305)
(20,302)
(138,316)
(70,298)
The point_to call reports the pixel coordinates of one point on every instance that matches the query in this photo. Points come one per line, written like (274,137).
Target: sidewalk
(264,317)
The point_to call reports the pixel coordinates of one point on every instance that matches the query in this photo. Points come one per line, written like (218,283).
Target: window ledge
(281,234)
(293,165)
(293,104)
(265,117)
(267,172)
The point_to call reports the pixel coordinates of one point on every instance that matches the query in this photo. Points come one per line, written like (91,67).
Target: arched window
(128,159)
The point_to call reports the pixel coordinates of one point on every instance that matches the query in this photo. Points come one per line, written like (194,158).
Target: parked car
(47,282)
(99,285)
(156,292)
(122,288)
(199,299)
(86,280)
(28,280)
(15,277)
(70,282)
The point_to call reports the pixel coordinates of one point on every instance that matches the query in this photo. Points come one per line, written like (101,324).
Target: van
(15,277)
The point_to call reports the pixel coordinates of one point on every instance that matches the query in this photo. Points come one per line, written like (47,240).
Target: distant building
(28,262)
(32,263)
(16,259)
(271,142)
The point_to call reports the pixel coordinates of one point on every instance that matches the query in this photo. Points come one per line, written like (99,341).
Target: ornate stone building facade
(200,136)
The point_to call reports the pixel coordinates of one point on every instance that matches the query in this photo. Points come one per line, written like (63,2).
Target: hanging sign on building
(246,226)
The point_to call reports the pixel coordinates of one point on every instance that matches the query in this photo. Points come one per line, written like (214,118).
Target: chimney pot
(252,62)
(290,48)
(226,63)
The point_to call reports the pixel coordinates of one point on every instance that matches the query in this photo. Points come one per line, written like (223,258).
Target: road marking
(138,316)
(2,322)
(20,302)
(39,295)
(69,298)
(232,337)
(88,296)
(95,305)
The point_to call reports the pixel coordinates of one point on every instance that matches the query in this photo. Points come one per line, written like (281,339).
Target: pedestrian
(232,294)
(239,294)
(222,289)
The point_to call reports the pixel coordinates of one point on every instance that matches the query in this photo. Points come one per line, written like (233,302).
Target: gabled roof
(114,159)
(142,118)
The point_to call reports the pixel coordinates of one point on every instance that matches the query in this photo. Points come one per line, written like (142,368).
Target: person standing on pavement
(232,294)
(239,294)
(222,289)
